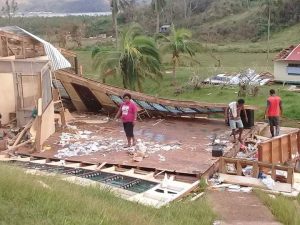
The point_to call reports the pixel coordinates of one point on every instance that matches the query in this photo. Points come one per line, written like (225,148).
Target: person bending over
(233,114)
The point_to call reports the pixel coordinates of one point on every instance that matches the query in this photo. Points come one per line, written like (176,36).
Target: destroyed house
(27,64)
(171,154)
(287,65)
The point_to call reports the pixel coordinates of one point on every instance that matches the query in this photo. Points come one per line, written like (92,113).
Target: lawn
(28,199)
(230,62)
(286,210)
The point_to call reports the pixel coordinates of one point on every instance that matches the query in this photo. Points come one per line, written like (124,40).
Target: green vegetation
(178,43)
(230,62)
(28,199)
(135,59)
(286,210)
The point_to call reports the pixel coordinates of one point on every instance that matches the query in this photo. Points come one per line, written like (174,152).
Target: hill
(231,20)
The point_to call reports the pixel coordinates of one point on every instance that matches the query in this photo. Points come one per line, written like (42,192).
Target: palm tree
(178,43)
(157,6)
(136,59)
(114,5)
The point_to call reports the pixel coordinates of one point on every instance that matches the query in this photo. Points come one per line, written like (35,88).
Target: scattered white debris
(161,158)
(84,143)
(247,76)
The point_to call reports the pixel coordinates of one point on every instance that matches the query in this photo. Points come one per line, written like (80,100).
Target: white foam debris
(85,143)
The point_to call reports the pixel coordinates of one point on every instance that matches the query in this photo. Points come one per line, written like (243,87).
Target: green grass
(278,41)
(286,210)
(230,62)
(24,200)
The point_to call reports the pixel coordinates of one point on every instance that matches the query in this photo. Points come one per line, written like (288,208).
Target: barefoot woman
(128,113)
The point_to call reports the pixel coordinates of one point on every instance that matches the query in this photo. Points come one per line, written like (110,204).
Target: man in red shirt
(128,113)
(273,112)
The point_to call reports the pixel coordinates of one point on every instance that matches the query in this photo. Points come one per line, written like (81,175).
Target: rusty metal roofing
(291,53)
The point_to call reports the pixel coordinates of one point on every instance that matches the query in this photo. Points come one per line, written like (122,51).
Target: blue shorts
(236,124)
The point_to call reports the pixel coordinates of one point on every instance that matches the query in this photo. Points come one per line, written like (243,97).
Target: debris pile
(249,76)
(232,183)
(85,143)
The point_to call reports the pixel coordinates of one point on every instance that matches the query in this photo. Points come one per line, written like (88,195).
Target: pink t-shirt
(128,110)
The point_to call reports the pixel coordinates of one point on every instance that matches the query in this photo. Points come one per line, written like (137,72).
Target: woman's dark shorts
(128,128)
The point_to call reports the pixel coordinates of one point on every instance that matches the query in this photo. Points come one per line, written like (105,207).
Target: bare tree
(157,6)
(9,9)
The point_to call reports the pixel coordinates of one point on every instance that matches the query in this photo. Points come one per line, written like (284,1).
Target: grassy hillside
(31,200)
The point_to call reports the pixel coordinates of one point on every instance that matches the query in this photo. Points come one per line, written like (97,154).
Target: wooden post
(222,168)
(271,152)
(273,174)
(39,118)
(1,47)
(290,175)
(281,150)
(298,141)
(260,152)
(290,146)
(76,65)
(255,170)
(239,168)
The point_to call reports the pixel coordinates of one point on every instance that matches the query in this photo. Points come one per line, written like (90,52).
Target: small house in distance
(287,65)
(165,29)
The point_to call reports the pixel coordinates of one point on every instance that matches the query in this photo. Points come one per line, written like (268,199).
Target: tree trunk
(157,16)
(116,30)
(157,22)
(174,72)
(185,9)
(269,25)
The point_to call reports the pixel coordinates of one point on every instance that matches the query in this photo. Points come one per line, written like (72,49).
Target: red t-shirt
(274,105)
(128,111)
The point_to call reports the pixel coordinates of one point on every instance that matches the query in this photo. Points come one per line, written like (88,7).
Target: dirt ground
(240,209)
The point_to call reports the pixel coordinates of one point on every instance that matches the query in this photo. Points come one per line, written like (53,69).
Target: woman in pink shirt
(128,113)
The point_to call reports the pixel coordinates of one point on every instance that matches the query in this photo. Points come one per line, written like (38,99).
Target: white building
(287,65)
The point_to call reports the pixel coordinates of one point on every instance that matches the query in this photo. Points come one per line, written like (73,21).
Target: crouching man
(233,114)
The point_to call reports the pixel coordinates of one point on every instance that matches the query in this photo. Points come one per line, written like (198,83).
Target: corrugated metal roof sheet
(294,55)
(58,61)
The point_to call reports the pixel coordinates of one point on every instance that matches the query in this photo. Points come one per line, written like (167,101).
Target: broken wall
(7,96)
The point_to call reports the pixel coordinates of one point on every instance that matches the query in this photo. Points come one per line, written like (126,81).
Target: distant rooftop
(292,53)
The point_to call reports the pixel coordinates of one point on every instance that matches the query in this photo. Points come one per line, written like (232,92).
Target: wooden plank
(240,180)
(28,125)
(239,168)
(281,150)
(222,165)
(298,141)
(273,174)
(282,187)
(255,170)
(39,118)
(271,152)
(290,176)
(290,146)
(260,152)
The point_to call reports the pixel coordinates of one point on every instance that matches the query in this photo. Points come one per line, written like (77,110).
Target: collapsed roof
(15,41)
(292,53)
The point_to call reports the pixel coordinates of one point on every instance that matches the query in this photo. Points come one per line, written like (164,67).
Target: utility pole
(269,25)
